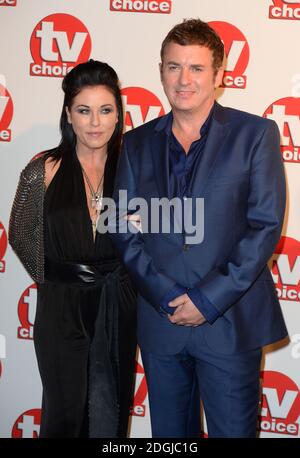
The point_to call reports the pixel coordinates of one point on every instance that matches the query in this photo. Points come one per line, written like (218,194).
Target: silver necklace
(96,196)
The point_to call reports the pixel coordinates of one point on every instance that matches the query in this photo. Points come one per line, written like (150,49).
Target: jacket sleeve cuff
(207,309)
(175,291)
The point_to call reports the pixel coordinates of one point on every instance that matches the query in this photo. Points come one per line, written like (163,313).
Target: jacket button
(185,247)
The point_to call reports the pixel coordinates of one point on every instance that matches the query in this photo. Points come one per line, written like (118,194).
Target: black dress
(82,328)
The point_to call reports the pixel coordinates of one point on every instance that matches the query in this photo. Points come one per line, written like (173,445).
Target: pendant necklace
(95,199)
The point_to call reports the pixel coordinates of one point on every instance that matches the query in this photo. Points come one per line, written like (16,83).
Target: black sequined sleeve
(26,220)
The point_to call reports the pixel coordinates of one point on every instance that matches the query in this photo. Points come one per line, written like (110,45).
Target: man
(205,308)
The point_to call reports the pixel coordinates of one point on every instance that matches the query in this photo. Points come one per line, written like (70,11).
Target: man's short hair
(196,32)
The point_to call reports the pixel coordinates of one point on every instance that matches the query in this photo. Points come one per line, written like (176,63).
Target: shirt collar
(204,128)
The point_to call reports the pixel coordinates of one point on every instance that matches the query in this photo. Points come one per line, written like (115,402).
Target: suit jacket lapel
(160,156)
(217,134)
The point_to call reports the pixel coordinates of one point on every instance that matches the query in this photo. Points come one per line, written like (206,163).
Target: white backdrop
(39,42)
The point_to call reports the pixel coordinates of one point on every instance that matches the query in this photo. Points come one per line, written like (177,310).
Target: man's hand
(135,221)
(186,313)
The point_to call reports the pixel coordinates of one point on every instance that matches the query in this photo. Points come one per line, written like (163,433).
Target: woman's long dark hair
(87,74)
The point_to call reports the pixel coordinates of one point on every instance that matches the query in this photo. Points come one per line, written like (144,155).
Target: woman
(84,332)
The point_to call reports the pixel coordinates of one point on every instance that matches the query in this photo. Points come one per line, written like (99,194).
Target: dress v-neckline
(86,206)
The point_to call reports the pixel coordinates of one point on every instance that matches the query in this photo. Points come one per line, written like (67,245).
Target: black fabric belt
(104,379)
(82,274)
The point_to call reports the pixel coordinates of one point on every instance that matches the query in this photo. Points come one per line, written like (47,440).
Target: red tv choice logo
(280,404)
(58,43)
(139,409)
(237,54)
(3,247)
(26,312)
(285,269)
(286,113)
(27,425)
(142,6)
(141,106)
(285,9)
(8,2)
(6,114)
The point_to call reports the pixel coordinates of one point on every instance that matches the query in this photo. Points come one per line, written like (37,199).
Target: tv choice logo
(285,9)
(138,408)
(280,404)
(237,54)
(8,2)
(26,312)
(3,247)
(27,425)
(141,106)
(6,114)
(285,269)
(58,43)
(286,113)
(142,6)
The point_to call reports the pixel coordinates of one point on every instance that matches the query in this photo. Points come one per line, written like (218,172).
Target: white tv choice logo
(27,425)
(26,312)
(8,2)
(6,114)
(142,6)
(3,247)
(237,54)
(286,113)
(285,9)
(285,269)
(280,404)
(141,106)
(58,43)
(138,408)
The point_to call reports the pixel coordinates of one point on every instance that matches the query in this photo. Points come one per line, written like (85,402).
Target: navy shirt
(181,169)
(181,165)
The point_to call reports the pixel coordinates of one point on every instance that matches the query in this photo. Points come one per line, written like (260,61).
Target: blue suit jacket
(241,178)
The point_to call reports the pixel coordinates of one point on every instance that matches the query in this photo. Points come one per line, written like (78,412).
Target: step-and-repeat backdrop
(40,42)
